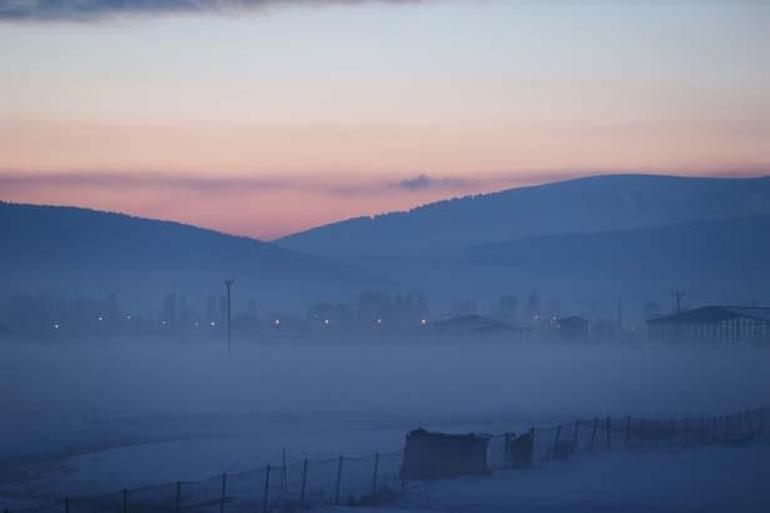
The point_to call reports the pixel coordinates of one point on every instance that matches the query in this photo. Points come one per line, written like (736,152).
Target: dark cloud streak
(249,184)
(95,10)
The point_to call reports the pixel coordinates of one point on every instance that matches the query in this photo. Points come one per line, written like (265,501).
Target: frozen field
(712,480)
(90,418)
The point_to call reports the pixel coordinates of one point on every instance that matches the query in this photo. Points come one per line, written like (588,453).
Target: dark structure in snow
(438,455)
(519,450)
(476,325)
(728,324)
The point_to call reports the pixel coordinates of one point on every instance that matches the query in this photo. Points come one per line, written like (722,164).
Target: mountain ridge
(604,202)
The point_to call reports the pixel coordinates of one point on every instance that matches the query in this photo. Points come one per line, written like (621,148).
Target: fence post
(762,421)
(642,433)
(125,500)
(265,498)
(593,433)
(339,481)
(304,481)
(628,432)
(532,441)
(66,505)
(727,427)
(178,497)
(507,451)
(609,435)
(576,435)
(224,491)
(374,475)
(702,431)
(556,442)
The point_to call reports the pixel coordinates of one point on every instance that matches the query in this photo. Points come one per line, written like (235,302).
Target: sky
(266,117)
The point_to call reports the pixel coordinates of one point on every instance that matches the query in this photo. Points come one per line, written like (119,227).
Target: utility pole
(678,295)
(228,284)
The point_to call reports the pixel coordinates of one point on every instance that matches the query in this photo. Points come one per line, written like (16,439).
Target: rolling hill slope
(73,250)
(596,204)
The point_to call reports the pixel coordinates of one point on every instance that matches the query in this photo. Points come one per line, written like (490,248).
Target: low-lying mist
(56,398)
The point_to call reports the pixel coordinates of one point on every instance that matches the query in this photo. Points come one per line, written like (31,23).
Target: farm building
(573,327)
(729,324)
(476,325)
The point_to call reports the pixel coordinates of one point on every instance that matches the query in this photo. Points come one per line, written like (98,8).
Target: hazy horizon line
(454,187)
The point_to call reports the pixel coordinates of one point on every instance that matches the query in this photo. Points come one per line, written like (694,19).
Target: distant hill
(74,250)
(720,258)
(587,205)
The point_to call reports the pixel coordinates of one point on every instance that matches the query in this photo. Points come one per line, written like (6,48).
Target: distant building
(573,327)
(476,325)
(714,324)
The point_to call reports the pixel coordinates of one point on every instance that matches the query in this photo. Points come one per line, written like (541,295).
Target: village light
(56,325)
(423,321)
(326,321)
(277,322)
(379,320)
(212,323)
(101,318)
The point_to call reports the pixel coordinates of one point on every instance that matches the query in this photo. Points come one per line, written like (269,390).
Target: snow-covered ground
(89,418)
(703,480)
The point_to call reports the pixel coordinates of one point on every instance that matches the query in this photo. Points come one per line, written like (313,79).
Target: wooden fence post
(593,433)
(178,497)
(642,433)
(125,500)
(266,496)
(224,493)
(701,428)
(304,482)
(374,475)
(609,435)
(339,481)
(576,437)
(556,442)
(66,505)
(628,432)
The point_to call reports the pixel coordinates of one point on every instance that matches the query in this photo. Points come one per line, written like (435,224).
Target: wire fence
(306,484)
(615,434)
(378,479)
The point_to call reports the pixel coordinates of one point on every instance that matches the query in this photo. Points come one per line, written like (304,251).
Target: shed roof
(716,314)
